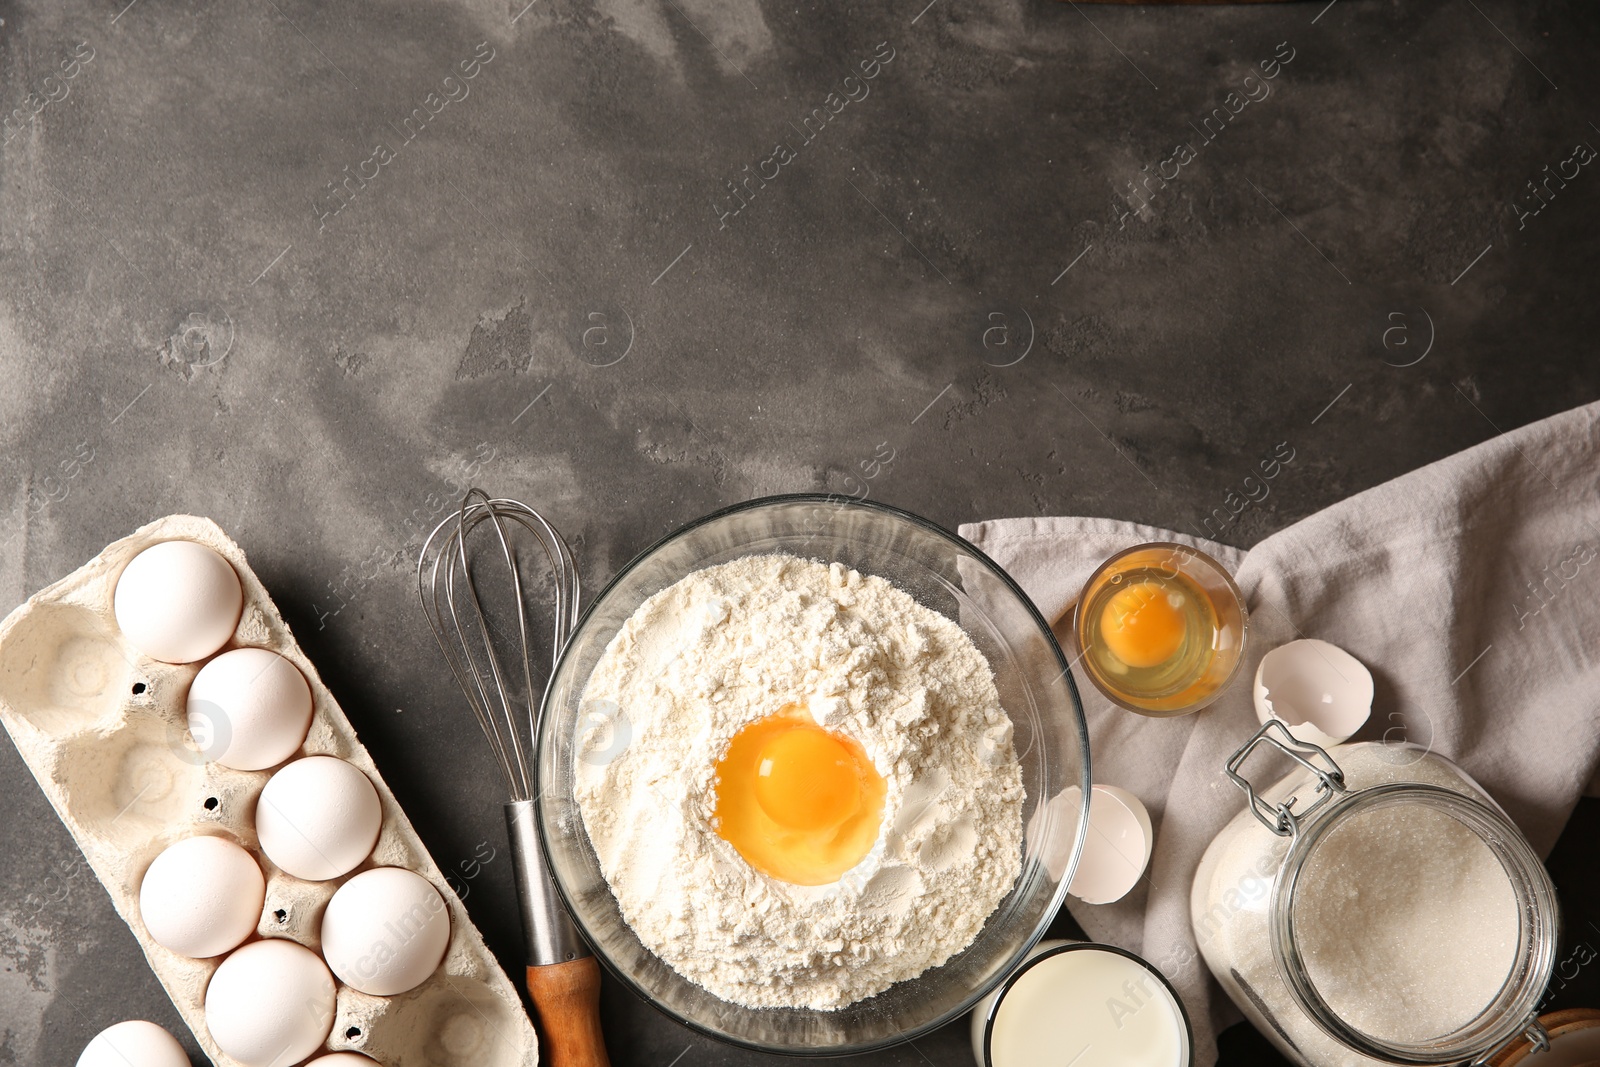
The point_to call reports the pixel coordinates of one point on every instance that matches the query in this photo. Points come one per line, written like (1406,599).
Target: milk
(1084,1006)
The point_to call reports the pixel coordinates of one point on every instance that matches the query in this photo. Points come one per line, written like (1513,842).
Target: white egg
(318,818)
(249,709)
(1318,690)
(178,601)
(202,896)
(342,1059)
(385,931)
(134,1043)
(270,1003)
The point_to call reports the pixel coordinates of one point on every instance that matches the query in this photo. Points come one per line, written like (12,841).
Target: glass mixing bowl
(942,572)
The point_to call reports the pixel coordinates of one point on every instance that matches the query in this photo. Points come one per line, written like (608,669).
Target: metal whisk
(496,673)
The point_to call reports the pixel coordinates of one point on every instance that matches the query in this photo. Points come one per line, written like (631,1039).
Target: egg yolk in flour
(800,803)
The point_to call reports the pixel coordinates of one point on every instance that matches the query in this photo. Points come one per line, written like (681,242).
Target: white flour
(732,644)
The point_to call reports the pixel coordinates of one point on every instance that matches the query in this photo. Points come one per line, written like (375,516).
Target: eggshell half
(178,601)
(318,818)
(1053,830)
(135,1043)
(343,1059)
(1318,690)
(249,709)
(385,931)
(270,1003)
(1116,849)
(202,896)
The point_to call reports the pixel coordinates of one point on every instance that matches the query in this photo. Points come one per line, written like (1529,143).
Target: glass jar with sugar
(1375,906)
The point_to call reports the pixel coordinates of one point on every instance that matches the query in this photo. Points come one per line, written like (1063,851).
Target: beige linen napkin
(1470,588)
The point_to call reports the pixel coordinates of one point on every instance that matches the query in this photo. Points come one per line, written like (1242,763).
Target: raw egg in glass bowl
(1160,629)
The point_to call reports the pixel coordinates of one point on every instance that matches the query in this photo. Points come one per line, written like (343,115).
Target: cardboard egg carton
(104,730)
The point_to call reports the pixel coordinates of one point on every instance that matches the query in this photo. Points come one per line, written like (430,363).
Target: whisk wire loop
(448,579)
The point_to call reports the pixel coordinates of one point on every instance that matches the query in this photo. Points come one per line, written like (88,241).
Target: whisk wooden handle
(567,997)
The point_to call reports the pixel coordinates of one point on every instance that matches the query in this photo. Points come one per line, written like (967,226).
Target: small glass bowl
(1233,626)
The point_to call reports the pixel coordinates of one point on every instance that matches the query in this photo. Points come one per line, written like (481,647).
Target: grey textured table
(311,268)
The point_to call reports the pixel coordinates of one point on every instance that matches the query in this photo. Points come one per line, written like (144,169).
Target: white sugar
(1407,923)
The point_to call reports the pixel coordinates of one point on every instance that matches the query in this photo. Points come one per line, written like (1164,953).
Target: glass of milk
(1082,1005)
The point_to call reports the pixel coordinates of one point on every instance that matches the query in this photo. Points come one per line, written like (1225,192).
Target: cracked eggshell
(1052,831)
(135,1043)
(1319,691)
(1117,848)
(103,728)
